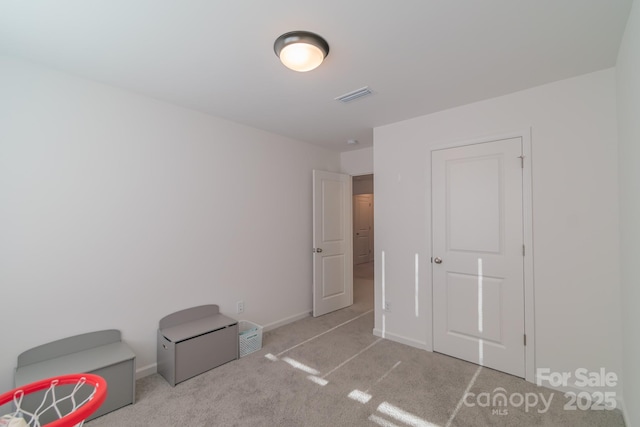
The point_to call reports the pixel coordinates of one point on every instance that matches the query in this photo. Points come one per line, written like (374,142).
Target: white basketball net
(51,406)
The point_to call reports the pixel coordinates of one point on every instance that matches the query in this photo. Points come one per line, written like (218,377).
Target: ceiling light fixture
(301,50)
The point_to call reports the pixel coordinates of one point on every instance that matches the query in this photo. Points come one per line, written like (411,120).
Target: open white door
(332,245)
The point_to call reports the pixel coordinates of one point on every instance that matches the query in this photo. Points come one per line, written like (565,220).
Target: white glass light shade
(301,50)
(301,56)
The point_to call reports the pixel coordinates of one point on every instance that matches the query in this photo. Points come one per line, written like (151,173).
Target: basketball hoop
(67,406)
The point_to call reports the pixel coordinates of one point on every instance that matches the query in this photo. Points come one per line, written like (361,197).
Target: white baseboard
(145,371)
(285,321)
(402,340)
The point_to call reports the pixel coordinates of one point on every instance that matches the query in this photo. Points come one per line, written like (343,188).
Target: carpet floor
(331,371)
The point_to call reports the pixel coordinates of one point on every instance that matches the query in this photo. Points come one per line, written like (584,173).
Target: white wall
(357,162)
(575,215)
(117,210)
(628,78)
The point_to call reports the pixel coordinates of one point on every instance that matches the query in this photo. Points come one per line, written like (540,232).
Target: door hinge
(523,251)
(521,161)
(525,340)
(431,260)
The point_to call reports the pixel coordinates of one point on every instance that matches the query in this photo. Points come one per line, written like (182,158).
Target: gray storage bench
(102,353)
(195,340)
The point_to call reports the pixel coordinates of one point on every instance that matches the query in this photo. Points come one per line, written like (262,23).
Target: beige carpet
(331,371)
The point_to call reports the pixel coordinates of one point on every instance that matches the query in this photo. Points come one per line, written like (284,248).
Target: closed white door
(332,245)
(478,254)
(362,227)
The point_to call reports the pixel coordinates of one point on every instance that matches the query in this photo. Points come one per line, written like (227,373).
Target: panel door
(478,264)
(332,245)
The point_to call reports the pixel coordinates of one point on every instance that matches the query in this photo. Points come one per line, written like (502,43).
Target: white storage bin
(250,337)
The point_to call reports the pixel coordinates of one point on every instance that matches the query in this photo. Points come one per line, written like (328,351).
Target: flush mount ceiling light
(301,50)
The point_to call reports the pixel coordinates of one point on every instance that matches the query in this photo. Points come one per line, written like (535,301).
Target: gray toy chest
(194,340)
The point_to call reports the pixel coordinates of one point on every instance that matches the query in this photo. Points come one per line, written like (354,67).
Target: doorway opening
(363,239)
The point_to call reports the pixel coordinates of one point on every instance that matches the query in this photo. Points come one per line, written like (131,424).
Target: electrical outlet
(387,306)
(240,307)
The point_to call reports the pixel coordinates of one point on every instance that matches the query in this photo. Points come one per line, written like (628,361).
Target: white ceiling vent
(356,94)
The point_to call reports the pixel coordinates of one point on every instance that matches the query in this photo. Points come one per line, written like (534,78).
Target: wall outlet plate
(240,307)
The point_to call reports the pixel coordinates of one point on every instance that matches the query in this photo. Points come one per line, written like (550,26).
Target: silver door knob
(437,260)
(319,250)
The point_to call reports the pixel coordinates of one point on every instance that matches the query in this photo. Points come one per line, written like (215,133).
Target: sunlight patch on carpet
(320,381)
(382,422)
(301,366)
(403,416)
(360,396)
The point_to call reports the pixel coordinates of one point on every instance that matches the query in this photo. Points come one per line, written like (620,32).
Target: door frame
(527,209)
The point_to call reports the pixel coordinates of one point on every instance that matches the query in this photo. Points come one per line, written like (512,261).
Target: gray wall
(363,184)
(628,80)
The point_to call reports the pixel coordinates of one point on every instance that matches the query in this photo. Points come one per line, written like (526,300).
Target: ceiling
(417,56)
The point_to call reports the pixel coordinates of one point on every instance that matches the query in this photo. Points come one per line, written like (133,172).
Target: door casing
(529,293)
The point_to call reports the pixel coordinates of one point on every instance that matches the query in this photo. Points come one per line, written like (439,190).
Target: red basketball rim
(81,413)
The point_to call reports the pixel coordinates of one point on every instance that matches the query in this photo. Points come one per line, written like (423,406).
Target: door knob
(437,260)
(319,250)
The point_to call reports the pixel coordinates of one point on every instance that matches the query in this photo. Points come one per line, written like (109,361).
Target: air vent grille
(356,94)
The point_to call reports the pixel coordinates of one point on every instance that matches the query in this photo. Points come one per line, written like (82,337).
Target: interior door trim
(527,206)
